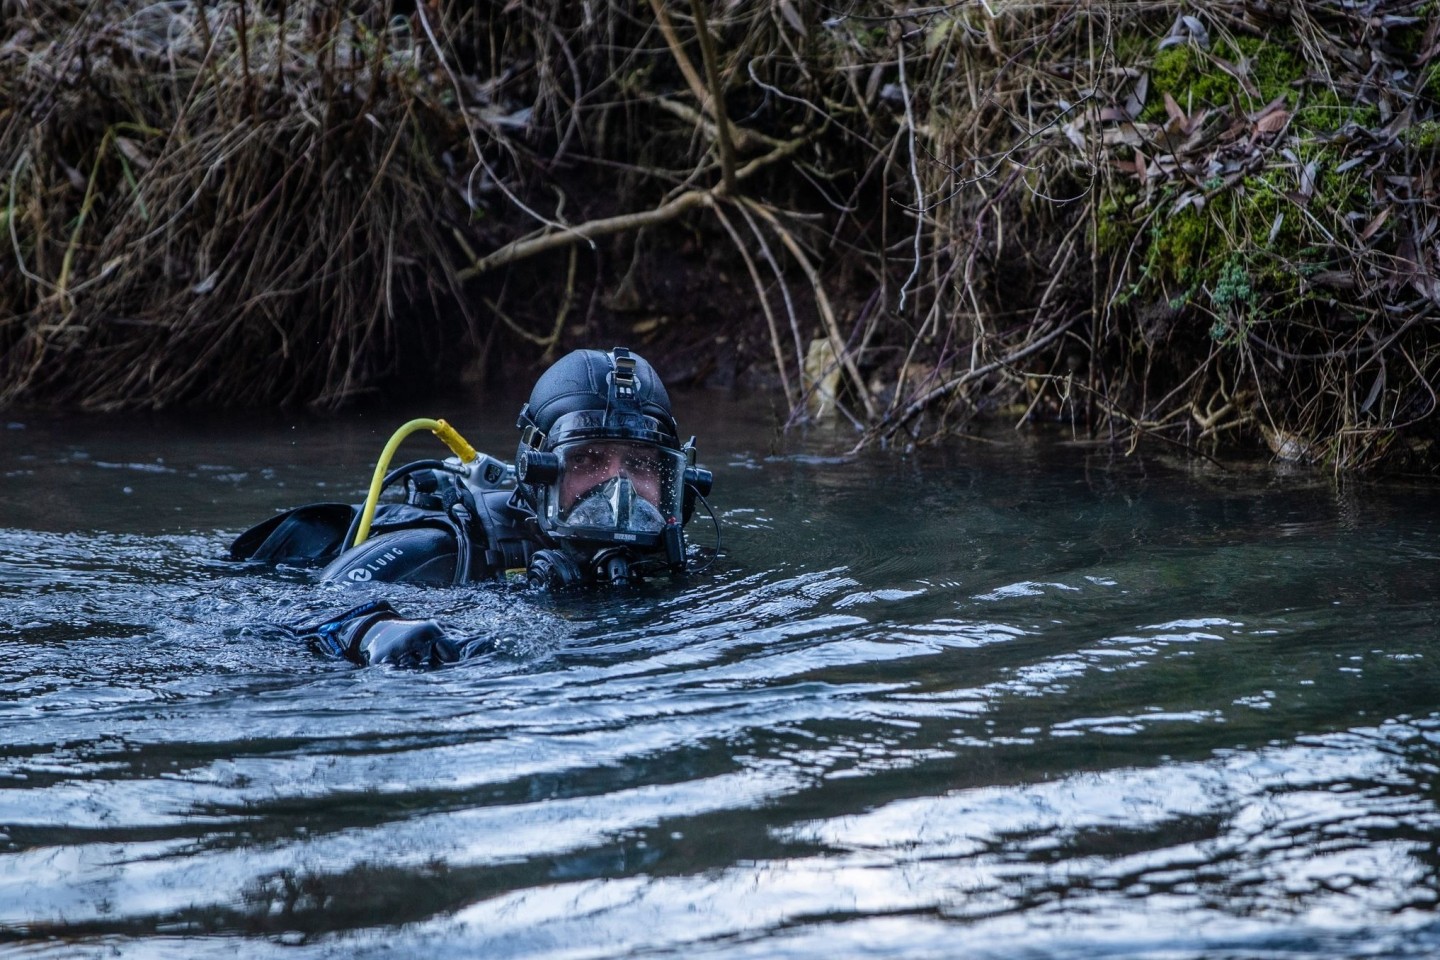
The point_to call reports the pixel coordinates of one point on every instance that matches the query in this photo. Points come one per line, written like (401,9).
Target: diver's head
(601,464)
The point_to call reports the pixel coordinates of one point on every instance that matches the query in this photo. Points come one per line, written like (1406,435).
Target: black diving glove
(375,633)
(340,636)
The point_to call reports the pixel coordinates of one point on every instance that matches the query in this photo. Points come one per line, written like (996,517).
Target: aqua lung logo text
(368,571)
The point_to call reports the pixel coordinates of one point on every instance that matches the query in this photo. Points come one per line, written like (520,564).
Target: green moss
(1341,193)
(870,37)
(1186,73)
(1113,227)
(1180,242)
(1430,82)
(1194,78)
(1264,210)
(1407,41)
(1325,112)
(1422,135)
(1132,48)
(1409,38)
(1173,67)
(1272,68)
(1250,247)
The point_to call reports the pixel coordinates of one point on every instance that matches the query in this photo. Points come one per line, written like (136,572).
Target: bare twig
(717,97)
(584,233)
(887,429)
(760,294)
(822,303)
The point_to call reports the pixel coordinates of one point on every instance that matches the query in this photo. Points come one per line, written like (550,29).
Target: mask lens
(587,465)
(617,485)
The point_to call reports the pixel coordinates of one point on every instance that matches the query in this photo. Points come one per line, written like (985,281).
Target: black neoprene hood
(581,381)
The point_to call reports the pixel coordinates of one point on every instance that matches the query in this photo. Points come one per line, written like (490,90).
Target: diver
(599,493)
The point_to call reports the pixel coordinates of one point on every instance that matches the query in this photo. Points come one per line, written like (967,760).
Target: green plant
(1233,292)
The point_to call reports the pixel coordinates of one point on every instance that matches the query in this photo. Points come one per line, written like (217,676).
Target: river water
(1006,699)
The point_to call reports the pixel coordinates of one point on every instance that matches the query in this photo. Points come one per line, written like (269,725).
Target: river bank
(1198,228)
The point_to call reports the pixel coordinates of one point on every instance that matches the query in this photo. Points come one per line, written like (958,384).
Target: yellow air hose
(441,429)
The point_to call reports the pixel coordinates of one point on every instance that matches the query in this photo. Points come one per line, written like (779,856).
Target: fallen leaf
(1125,134)
(76,178)
(1188,199)
(1277,104)
(132,152)
(1307,180)
(1375,224)
(797,23)
(1272,122)
(1374,390)
(1135,100)
(1173,111)
(1197,30)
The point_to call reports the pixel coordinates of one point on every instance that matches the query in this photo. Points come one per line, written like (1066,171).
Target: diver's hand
(341,636)
(375,633)
(404,643)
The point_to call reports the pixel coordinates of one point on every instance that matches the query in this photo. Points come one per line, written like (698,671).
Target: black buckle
(624,376)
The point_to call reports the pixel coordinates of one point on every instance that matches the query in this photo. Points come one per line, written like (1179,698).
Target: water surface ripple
(981,702)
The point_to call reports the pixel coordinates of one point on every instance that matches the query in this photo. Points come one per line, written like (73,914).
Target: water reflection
(978,701)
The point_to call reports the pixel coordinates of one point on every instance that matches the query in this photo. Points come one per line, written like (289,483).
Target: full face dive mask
(600,465)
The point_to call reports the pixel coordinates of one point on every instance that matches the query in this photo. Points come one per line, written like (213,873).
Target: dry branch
(584,233)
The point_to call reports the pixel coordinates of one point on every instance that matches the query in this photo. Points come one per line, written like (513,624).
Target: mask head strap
(530,435)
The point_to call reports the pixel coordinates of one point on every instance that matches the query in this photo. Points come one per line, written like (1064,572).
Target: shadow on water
(1002,700)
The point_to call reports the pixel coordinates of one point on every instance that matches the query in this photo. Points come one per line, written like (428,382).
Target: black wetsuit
(446,532)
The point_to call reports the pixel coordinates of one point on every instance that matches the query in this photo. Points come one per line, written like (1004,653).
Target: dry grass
(204,207)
